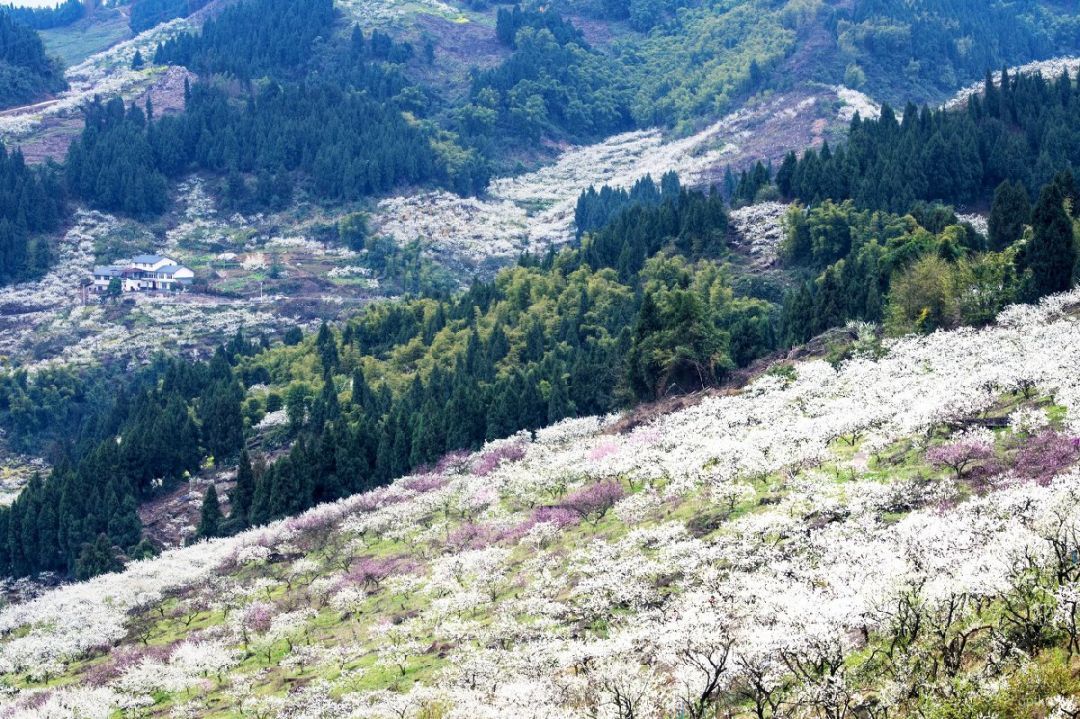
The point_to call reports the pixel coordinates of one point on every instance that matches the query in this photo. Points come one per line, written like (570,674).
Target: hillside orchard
(828,540)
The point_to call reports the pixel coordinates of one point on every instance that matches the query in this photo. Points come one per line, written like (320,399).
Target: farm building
(143,273)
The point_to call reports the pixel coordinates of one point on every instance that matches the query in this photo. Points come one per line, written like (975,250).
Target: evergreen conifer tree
(244,492)
(1051,253)
(210,516)
(1011,210)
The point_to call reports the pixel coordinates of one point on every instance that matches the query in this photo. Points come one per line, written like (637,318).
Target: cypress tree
(1011,210)
(97,558)
(125,527)
(559,404)
(244,492)
(428,438)
(210,517)
(1051,253)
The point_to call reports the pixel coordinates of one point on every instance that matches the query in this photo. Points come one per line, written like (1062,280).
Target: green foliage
(927,49)
(209,515)
(854,76)
(923,298)
(1020,131)
(146,14)
(595,209)
(50,406)
(221,420)
(96,558)
(699,65)
(26,72)
(244,491)
(688,222)
(346,126)
(353,230)
(133,443)
(112,165)
(44,18)
(344,142)
(1024,693)
(676,346)
(920,272)
(753,185)
(1010,212)
(249,39)
(552,82)
(509,22)
(32,201)
(1050,254)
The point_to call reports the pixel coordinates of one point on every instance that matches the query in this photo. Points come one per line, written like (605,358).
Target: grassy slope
(78,41)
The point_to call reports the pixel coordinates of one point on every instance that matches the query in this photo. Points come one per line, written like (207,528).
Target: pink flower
(602,451)
(372,571)
(1046,455)
(489,461)
(959,456)
(257,617)
(452,461)
(472,536)
(594,501)
(425,483)
(559,516)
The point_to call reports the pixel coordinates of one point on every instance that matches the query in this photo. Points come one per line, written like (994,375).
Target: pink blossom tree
(960,455)
(593,502)
(1047,454)
(372,571)
(490,461)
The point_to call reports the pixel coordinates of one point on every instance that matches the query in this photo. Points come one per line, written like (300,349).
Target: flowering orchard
(894,537)
(534,210)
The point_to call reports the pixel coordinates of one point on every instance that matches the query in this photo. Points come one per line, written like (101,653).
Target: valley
(619,359)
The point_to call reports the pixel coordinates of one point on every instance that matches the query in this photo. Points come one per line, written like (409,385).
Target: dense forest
(926,270)
(44,18)
(252,39)
(695,60)
(31,204)
(347,144)
(596,208)
(925,49)
(27,73)
(552,83)
(1023,129)
(139,442)
(341,129)
(146,14)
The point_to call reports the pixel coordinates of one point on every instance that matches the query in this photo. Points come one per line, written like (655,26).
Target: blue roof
(171,269)
(147,259)
(107,270)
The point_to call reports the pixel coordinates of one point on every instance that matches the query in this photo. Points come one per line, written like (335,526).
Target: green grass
(89,36)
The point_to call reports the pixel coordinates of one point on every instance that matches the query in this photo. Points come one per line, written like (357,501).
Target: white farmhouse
(143,273)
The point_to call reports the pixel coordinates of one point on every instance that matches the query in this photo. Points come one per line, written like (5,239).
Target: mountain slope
(808,546)
(26,73)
